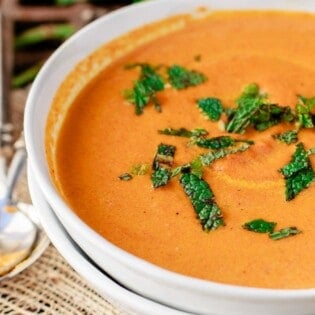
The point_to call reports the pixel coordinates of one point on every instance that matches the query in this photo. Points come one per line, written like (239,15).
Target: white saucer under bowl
(105,286)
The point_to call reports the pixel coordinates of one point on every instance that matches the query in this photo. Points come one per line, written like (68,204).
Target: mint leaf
(182,78)
(160,177)
(298,173)
(202,199)
(300,160)
(211,107)
(162,164)
(303,109)
(287,137)
(125,177)
(216,143)
(260,226)
(213,155)
(145,88)
(247,106)
(298,182)
(284,233)
(183,132)
(139,169)
(269,115)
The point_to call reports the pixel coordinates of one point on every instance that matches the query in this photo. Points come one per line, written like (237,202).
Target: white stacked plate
(74,239)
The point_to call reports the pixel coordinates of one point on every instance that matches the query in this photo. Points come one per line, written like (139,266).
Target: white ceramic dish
(179,291)
(106,287)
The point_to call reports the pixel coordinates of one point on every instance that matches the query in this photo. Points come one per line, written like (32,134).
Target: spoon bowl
(18,235)
(20,231)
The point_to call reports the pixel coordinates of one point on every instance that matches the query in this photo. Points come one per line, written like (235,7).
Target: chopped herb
(247,106)
(183,132)
(144,89)
(287,137)
(263,226)
(195,167)
(213,155)
(297,183)
(164,151)
(283,233)
(260,226)
(202,199)
(269,115)
(162,163)
(216,143)
(303,109)
(299,173)
(253,109)
(211,107)
(300,161)
(139,169)
(151,78)
(125,177)
(160,177)
(181,78)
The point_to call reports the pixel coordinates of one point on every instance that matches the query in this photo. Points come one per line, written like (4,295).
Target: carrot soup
(191,145)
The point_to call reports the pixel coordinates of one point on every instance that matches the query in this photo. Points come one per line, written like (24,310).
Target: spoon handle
(16,166)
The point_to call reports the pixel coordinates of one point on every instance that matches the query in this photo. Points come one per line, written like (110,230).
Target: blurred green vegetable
(42,33)
(26,76)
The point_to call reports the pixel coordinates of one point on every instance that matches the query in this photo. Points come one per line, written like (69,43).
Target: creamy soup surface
(101,138)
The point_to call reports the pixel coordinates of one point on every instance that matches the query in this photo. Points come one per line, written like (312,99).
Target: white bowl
(178,291)
(102,283)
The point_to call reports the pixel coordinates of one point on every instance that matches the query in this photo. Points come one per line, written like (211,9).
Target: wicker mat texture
(51,286)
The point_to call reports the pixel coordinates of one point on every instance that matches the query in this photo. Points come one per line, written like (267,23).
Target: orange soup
(115,124)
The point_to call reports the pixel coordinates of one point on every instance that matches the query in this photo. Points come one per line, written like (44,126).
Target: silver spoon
(18,233)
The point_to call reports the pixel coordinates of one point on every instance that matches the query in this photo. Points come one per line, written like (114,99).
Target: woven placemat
(50,285)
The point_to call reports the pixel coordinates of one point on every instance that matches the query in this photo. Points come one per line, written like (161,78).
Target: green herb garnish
(247,105)
(287,137)
(125,177)
(285,232)
(182,78)
(297,183)
(220,142)
(202,199)
(269,115)
(136,170)
(263,226)
(260,226)
(299,173)
(162,164)
(144,89)
(183,132)
(194,167)
(213,155)
(303,110)
(254,110)
(211,107)
(139,169)
(300,161)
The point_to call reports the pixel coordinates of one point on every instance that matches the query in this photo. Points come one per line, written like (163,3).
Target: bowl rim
(149,270)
